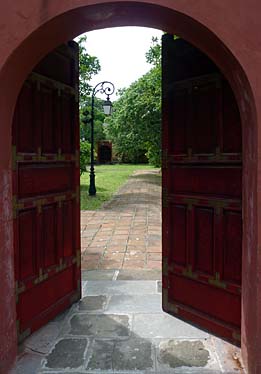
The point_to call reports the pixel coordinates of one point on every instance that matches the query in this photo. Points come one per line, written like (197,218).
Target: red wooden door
(202,188)
(46,190)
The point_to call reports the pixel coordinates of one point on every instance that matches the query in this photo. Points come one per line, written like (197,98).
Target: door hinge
(18,290)
(61,266)
(189,153)
(167,305)
(15,157)
(39,205)
(189,273)
(42,277)
(217,282)
(190,202)
(16,206)
(39,156)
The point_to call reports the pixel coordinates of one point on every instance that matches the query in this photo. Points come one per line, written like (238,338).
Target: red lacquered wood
(202,192)
(46,190)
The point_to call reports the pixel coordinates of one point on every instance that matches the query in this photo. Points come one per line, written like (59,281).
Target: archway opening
(146,15)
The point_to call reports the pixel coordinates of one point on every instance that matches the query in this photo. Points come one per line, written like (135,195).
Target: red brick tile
(133,265)
(140,247)
(114,256)
(154,256)
(94,250)
(110,264)
(153,265)
(154,249)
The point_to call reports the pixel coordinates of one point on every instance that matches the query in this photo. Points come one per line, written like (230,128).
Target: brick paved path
(126,233)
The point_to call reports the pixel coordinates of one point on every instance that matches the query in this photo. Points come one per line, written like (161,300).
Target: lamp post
(108,89)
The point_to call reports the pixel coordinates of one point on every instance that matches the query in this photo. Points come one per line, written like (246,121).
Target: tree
(99,117)
(135,127)
(85,153)
(88,67)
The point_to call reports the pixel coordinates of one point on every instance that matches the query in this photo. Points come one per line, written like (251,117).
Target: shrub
(85,154)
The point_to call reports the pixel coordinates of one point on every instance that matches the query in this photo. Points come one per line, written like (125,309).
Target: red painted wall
(228,31)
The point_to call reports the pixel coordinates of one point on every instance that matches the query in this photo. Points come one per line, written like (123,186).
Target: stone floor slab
(139,274)
(186,356)
(176,354)
(162,325)
(100,326)
(42,340)
(135,304)
(134,354)
(229,355)
(93,304)
(100,356)
(28,363)
(120,288)
(67,354)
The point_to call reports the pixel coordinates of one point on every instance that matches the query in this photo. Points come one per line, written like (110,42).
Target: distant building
(105,152)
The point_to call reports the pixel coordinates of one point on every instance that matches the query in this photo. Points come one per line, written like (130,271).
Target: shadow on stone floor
(118,327)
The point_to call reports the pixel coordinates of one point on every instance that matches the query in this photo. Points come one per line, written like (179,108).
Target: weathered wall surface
(228,31)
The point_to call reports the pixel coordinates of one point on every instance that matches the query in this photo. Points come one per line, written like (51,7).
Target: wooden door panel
(204,240)
(206,180)
(44,179)
(178,222)
(179,133)
(50,295)
(27,241)
(67,108)
(203,107)
(46,191)
(68,228)
(186,292)
(24,120)
(231,129)
(49,235)
(202,192)
(49,130)
(232,262)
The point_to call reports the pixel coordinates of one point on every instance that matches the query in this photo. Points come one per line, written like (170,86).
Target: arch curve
(58,25)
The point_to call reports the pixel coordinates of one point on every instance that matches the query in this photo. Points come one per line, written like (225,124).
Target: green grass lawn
(108,179)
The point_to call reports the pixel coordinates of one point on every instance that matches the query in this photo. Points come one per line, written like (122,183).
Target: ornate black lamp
(108,89)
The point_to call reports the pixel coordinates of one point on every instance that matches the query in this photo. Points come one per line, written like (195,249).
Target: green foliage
(88,67)
(85,154)
(99,117)
(135,127)
(153,56)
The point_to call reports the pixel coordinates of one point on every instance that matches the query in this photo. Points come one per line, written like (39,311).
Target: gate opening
(215,49)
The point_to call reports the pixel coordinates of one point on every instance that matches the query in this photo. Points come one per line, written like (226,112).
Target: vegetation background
(135,126)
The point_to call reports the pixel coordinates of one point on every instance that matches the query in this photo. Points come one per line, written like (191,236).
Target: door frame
(190,25)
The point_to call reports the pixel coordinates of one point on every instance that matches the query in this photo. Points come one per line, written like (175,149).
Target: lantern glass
(107,107)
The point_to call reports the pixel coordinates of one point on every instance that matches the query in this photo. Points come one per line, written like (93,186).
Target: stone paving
(118,327)
(126,233)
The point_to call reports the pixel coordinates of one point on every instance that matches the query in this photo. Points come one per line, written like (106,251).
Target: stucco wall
(228,31)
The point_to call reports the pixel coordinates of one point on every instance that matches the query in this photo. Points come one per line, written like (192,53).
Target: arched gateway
(228,32)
